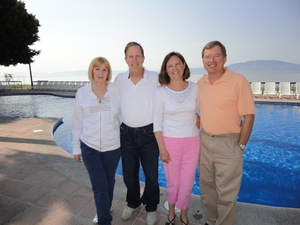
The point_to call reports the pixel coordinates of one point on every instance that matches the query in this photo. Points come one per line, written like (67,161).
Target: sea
(82,76)
(69,76)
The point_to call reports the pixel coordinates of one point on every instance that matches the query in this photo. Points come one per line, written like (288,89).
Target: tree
(18,31)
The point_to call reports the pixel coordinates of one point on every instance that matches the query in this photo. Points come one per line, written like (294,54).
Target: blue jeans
(101,167)
(139,146)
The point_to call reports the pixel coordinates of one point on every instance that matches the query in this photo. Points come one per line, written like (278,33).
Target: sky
(73,32)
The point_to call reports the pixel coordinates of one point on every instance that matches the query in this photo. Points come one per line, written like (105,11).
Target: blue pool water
(271,160)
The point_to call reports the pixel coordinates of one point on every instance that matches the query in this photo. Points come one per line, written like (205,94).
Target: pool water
(271,160)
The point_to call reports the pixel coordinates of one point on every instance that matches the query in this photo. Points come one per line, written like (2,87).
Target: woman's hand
(77,158)
(163,153)
(198,121)
(164,156)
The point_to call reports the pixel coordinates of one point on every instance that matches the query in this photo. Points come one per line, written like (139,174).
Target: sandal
(171,222)
(187,223)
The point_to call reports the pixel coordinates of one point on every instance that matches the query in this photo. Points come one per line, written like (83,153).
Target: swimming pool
(271,160)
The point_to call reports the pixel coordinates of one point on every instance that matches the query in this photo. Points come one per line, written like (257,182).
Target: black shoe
(171,222)
(187,223)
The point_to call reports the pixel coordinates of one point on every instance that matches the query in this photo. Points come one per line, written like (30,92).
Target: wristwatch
(242,146)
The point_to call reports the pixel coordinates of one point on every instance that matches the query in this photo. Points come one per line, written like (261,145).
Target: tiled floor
(40,183)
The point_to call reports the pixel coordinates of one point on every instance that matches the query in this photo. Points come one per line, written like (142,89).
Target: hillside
(266,66)
(263,70)
(259,70)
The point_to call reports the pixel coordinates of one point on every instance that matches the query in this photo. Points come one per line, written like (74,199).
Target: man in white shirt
(138,143)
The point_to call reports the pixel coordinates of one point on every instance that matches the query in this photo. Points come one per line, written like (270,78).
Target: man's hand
(77,158)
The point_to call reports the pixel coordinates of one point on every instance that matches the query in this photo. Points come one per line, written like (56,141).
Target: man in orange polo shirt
(227,115)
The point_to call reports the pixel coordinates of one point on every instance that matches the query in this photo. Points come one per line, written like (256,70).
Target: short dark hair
(163,77)
(133,43)
(212,44)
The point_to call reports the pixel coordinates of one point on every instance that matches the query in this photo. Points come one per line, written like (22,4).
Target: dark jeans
(101,167)
(139,146)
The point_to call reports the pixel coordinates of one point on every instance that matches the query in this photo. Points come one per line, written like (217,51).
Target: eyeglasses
(137,57)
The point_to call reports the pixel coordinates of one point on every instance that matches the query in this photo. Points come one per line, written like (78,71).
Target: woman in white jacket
(96,134)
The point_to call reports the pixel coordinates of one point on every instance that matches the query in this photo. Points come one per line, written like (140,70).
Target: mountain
(263,70)
(266,66)
(259,70)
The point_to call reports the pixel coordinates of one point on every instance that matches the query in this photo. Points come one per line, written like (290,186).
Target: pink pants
(181,169)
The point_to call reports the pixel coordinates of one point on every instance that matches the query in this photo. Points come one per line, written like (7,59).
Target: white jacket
(95,122)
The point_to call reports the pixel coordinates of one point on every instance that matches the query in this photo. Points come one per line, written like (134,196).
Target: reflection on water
(271,160)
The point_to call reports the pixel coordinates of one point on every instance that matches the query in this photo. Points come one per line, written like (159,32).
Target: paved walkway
(40,183)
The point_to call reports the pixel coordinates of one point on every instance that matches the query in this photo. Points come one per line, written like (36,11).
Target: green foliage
(18,30)
(293,89)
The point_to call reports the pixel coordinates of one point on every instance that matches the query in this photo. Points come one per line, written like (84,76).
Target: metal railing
(12,84)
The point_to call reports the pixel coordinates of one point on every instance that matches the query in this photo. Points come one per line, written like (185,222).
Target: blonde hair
(97,62)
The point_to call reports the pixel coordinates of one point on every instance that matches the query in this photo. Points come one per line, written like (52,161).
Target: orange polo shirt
(223,103)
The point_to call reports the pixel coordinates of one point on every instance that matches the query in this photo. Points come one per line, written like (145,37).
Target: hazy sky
(73,32)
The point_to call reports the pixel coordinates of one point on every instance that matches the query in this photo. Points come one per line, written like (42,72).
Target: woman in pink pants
(176,132)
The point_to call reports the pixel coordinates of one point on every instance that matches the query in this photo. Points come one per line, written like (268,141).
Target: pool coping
(72,94)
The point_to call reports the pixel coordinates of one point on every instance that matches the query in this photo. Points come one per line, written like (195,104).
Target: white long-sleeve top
(175,111)
(95,122)
(137,99)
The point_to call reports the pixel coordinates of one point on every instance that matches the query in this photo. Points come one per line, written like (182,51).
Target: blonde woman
(96,134)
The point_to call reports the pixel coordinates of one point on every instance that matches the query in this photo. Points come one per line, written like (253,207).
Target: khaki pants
(221,169)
